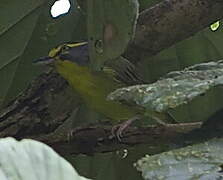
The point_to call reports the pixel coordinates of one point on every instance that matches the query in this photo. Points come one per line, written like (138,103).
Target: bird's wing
(123,71)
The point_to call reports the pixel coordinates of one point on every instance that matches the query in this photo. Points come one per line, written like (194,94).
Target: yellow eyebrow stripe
(76,44)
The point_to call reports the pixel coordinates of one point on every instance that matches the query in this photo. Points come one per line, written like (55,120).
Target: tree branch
(33,115)
(169,22)
(42,112)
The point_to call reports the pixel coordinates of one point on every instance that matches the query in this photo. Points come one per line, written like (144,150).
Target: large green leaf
(203,47)
(30,32)
(111,25)
(174,89)
(16,29)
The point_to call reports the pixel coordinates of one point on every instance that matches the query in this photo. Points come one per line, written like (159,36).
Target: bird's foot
(117,130)
(70,134)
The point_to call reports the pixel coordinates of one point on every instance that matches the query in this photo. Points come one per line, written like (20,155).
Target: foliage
(109,35)
(174,89)
(28,32)
(202,161)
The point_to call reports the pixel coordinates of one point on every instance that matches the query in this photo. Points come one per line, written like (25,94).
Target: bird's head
(74,52)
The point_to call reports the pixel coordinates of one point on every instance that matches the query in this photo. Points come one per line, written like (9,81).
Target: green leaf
(111,25)
(202,47)
(202,161)
(174,89)
(32,160)
(14,34)
(30,32)
(144,4)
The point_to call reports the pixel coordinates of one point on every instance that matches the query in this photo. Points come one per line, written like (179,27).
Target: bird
(72,62)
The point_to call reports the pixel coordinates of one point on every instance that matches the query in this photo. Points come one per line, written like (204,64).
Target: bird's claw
(117,130)
(70,135)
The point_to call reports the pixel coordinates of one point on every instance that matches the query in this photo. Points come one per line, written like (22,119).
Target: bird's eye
(65,48)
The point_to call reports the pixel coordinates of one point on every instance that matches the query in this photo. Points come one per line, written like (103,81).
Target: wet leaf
(174,89)
(202,161)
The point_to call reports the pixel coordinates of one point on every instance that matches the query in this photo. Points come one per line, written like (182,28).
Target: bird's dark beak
(44,61)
